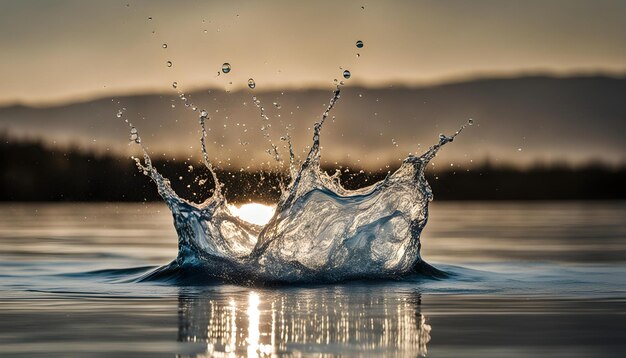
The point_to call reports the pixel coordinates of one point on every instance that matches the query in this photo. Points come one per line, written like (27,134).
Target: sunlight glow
(254,213)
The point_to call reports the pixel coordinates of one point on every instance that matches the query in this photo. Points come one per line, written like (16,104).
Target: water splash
(319,232)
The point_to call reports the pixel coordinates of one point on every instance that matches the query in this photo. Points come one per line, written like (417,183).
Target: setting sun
(254,213)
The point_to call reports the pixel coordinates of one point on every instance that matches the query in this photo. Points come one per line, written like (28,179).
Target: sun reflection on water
(272,325)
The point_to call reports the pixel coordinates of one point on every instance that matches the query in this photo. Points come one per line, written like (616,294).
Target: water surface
(527,279)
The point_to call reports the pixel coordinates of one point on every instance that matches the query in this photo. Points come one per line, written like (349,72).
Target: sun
(255,213)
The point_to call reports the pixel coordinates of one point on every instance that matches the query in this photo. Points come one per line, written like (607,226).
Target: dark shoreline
(33,172)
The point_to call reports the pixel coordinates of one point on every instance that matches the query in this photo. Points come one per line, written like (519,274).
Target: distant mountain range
(517,120)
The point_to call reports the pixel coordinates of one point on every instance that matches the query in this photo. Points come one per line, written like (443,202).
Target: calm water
(540,279)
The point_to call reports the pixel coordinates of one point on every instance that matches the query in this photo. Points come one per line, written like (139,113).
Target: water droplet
(226,67)
(358,55)
(251,83)
(169,63)
(164,45)
(119,113)
(134,135)
(519,149)
(204,113)
(359,44)
(470,122)
(175,84)
(442,136)
(149,17)
(277,105)
(346,74)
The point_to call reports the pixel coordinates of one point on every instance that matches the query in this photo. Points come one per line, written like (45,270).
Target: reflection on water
(543,280)
(277,323)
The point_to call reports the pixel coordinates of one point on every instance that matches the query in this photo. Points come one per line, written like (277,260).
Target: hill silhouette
(517,120)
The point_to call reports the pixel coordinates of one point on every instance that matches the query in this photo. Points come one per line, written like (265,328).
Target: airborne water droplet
(251,83)
(470,122)
(204,113)
(164,45)
(175,84)
(346,74)
(226,67)
(359,44)
(119,113)
(134,135)
(169,63)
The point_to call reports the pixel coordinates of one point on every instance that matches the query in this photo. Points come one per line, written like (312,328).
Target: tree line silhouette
(32,171)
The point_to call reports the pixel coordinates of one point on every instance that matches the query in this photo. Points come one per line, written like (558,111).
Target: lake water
(527,279)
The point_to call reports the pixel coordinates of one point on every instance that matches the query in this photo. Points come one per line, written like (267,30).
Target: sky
(69,50)
(59,55)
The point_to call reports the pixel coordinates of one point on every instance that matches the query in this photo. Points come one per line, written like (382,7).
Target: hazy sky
(66,50)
